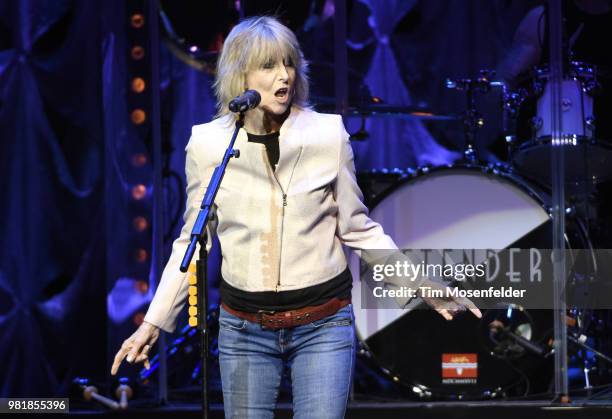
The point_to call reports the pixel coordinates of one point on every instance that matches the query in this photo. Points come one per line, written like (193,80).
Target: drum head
(452,208)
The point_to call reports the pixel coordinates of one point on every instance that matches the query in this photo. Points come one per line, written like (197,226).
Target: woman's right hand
(137,346)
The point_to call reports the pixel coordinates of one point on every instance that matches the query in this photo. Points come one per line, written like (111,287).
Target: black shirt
(339,286)
(271,143)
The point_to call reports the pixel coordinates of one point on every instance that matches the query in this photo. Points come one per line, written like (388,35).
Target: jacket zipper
(280,244)
(280,247)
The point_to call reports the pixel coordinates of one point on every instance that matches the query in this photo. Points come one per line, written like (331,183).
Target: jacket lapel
(291,147)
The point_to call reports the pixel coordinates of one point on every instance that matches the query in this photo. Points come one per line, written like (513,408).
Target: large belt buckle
(260,316)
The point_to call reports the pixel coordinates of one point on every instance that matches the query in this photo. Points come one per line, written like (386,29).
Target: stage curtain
(52,202)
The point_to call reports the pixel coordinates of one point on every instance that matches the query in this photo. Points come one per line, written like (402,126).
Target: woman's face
(274,82)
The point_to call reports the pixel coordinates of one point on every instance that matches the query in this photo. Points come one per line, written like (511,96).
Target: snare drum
(458,207)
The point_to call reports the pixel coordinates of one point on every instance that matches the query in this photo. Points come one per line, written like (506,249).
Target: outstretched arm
(357,230)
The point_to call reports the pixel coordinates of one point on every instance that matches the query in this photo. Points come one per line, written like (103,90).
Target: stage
(580,408)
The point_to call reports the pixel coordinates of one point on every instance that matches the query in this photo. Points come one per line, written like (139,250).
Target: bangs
(268,46)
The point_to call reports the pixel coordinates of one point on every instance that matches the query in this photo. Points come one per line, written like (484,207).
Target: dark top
(339,286)
(271,143)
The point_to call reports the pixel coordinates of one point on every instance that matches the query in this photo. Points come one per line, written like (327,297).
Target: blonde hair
(249,45)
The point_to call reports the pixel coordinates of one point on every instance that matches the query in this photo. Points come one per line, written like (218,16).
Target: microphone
(497,329)
(246,101)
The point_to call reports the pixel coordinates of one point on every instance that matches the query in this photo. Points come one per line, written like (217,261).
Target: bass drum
(460,207)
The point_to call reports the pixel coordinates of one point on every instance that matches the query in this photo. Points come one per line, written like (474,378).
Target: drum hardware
(571,210)
(585,73)
(400,173)
(510,330)
(589,353)
(124,392)
(422,170)
(376,181)
(516,338)
(365,97)
(510,141)
(362,134)
(504,339)
(578,322)
(91,393)
(383,110)
(376,108)
(580,340)
(364,105)
(472,119)
(395,173)
(496,168)
(512,102)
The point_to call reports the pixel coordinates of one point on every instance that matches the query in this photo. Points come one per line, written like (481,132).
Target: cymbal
(383,110)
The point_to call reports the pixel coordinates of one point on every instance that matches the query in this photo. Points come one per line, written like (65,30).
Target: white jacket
(280,230)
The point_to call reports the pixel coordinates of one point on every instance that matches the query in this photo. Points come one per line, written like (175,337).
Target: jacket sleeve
(171,293)
(354,226)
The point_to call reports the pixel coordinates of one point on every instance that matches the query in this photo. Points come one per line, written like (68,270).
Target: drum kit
(476,205)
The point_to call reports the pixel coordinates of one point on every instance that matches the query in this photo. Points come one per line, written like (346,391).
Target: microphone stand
(199,236)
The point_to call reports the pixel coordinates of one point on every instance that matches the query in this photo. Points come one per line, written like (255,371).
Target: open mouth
(282,93)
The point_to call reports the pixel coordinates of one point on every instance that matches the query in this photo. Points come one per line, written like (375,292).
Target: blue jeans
(320,356)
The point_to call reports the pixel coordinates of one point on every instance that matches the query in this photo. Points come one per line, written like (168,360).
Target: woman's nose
(283,74)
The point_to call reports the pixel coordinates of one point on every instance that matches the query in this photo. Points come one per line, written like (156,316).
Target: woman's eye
(268,65)
(288,63)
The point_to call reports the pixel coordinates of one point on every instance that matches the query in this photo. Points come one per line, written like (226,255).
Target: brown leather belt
(291,318)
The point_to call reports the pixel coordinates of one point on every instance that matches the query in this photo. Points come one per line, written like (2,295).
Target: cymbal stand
(511,103)
(472,119)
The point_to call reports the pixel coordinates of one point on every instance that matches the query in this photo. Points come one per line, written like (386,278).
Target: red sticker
(459,368)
